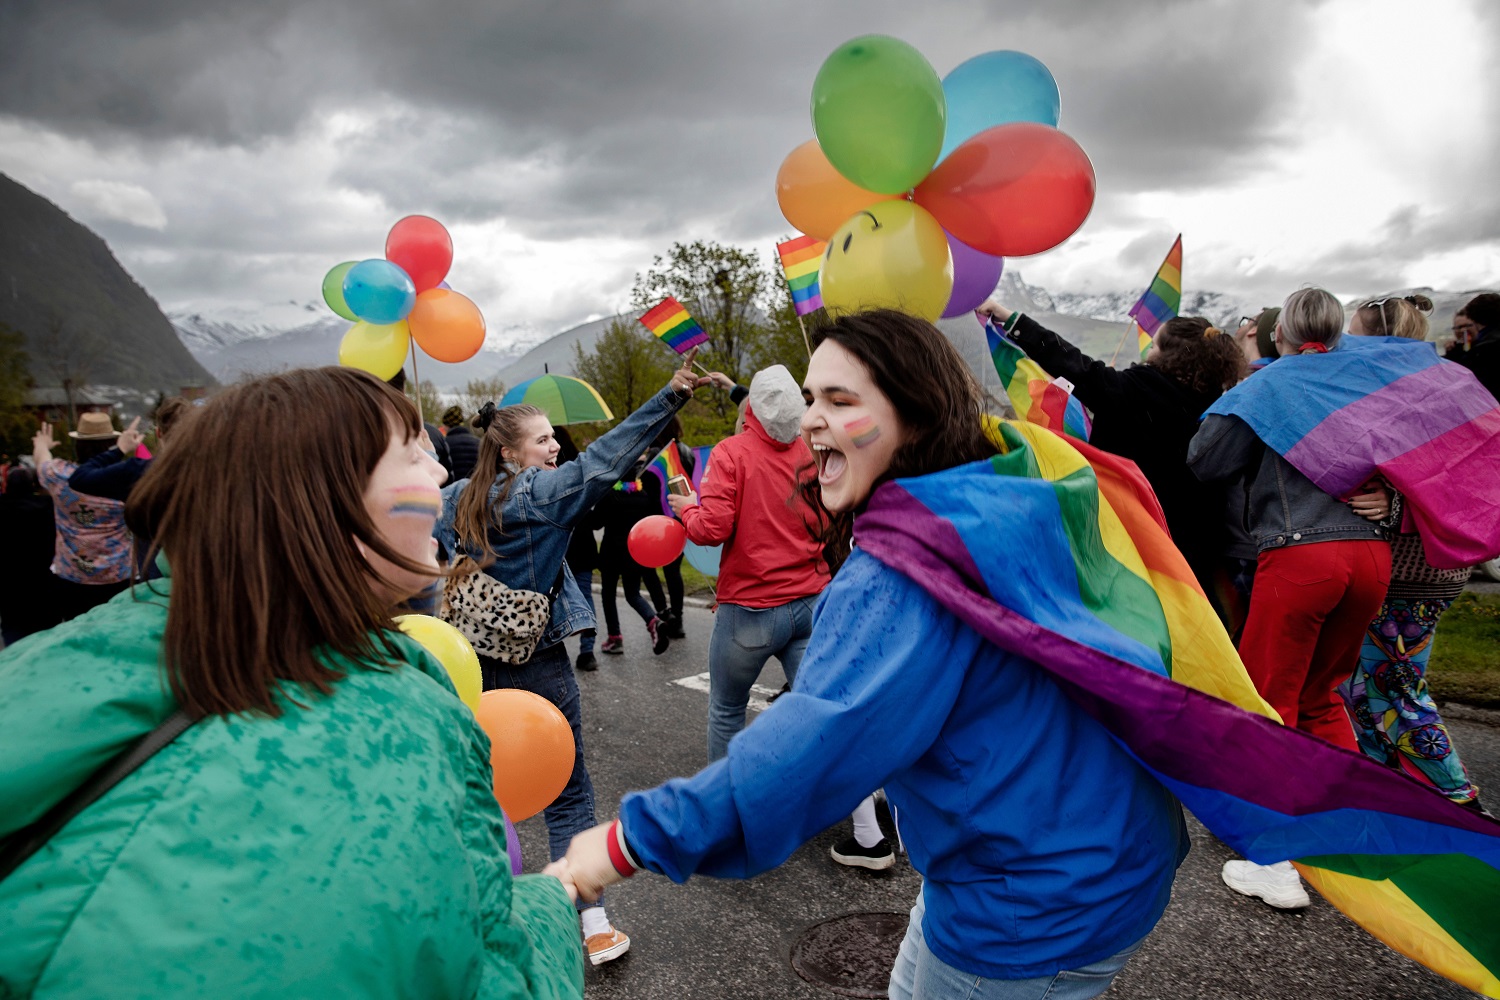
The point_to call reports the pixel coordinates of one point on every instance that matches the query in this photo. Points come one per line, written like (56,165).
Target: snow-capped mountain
(1114,307)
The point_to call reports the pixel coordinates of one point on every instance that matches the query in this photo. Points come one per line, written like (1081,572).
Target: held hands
(684,379)
(130,439)
(1373,502)
(587,863)
(681,503)
(559,870)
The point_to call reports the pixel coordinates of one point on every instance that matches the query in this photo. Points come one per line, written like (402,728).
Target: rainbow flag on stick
(1161,301)
(1035,395)
(1095,594)
(801,260)
(673,325)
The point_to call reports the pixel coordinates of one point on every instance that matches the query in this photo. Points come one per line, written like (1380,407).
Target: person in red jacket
(771,570)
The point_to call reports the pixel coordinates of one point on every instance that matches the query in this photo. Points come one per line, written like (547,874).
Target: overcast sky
(232,153)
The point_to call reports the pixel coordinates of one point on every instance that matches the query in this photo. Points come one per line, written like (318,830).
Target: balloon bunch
(401,298)
(920,186)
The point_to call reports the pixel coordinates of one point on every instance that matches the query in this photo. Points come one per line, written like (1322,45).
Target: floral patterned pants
(1395,719)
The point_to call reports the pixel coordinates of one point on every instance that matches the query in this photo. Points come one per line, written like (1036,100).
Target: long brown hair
(476,514)
(935,396)
(1197,354)
(262,520)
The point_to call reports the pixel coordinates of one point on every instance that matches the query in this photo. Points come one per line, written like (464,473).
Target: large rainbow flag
(1161,301)
(1035,395)
(1058,552)
(1392,407)
(673,325)
(801,260)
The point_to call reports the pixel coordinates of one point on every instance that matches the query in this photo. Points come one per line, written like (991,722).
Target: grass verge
(1465,664)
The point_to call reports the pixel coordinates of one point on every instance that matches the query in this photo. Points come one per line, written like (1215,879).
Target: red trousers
(1308,612)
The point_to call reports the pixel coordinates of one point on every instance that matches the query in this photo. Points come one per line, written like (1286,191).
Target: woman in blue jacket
(515,516)
(1047,852)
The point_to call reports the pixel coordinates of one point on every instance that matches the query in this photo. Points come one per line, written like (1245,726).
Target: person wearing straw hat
(92,556)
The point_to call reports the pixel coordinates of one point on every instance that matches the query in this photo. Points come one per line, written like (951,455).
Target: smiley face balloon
(891,255)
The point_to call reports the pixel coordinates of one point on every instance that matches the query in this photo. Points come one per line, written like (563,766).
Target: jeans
(743,640)
(585,580)
(921,975)
(549,673)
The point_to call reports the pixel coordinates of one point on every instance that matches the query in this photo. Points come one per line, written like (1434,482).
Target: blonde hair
(1311,316)
(1395,317)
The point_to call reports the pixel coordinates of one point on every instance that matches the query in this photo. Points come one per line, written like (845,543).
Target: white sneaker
(1278,885)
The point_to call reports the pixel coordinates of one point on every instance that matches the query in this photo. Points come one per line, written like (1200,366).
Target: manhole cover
(851,955)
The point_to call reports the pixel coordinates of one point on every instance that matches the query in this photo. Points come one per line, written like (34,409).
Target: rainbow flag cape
(1095,594)
(1034,394)
(666,464)
(672,325)
(1390,407)
(801,259)
(1161,301)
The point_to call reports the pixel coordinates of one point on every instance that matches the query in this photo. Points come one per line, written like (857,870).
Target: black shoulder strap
(25,842)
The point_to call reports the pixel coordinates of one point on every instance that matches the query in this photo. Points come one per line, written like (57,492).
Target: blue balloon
(379,292)
(703,558)
(996,88)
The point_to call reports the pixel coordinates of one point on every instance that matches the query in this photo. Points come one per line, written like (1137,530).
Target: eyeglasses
(1246,319)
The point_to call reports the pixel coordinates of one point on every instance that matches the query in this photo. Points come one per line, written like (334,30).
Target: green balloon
(879,113)
(333,290)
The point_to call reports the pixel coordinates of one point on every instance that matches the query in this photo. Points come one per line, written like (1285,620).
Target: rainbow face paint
(863,432)
(416,501)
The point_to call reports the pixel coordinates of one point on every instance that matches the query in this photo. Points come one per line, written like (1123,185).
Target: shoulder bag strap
(26,842)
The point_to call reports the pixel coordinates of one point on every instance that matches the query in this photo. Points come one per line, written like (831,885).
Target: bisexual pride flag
(1034,395)
(673,326)
(801,259)
(1161,301)
(1058,552)
(1390,407)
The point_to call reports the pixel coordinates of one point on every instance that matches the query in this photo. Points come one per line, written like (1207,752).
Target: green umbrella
(565,400)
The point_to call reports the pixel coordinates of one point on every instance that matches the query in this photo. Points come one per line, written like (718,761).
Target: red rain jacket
(769,556)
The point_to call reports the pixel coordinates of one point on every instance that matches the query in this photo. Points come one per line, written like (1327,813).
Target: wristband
(619,854)
(1010,324)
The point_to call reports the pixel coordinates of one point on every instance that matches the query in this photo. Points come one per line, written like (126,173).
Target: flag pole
(1113,357)
(805,342)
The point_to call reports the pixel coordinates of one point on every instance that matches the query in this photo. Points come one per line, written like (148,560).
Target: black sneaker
(659,638)
(672,622)
(848,852)
(586,661)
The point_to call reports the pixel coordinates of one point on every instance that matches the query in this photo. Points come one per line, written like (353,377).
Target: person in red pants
(1322,573)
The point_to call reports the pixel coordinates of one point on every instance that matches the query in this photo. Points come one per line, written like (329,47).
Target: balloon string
(417,382)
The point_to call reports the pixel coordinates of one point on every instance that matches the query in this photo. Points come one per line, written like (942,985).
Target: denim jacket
(546,504)
(1282,506)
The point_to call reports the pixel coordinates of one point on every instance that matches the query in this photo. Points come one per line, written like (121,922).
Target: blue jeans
(585,580)
(921,975)
(549,673)
(743,640)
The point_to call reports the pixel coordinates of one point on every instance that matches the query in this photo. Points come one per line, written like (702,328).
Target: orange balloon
(815,197)
(531,749)
(446,325)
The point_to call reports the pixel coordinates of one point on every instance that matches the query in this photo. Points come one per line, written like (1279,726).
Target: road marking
(759,694)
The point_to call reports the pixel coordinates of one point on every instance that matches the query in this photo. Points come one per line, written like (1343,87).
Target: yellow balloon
(452,650)
(891,255)
(379,350)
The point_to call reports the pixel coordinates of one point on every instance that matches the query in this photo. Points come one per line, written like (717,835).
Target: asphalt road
(713,938)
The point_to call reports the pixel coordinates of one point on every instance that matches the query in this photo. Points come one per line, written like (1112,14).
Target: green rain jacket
(350,848)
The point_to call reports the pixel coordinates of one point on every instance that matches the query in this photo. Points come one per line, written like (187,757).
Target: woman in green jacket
(327,826)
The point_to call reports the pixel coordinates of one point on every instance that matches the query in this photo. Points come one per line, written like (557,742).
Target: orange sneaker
(606,947)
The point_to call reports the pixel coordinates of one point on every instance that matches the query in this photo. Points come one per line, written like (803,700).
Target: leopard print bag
(498,621)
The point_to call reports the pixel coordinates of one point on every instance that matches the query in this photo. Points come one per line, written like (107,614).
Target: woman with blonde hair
(317,816)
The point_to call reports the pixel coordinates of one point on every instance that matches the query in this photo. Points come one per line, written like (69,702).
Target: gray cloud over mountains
(272,132)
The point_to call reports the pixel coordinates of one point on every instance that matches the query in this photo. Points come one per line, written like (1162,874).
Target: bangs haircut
(262,520)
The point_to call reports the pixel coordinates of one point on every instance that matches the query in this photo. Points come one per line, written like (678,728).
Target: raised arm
(1096,384)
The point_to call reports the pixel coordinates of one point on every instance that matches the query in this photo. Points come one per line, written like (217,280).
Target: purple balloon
(512,846)
(975,276)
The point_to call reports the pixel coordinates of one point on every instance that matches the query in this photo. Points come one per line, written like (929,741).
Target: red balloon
(422,248)
(656,540)
(1012,190)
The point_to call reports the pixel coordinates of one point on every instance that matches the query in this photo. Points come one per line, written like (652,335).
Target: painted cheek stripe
(863,432)
(417,503)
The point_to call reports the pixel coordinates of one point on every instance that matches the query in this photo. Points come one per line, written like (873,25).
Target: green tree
(16,422)
(727,291)
(431,402)
(479,391)
(627,365)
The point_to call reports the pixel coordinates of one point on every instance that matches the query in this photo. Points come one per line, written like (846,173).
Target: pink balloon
(975,276)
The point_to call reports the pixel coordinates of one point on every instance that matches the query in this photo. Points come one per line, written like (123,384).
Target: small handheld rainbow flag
(1161,301)
(673,326)
(1035,395)
(801,259)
